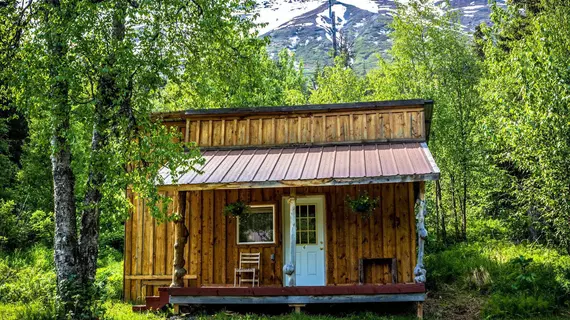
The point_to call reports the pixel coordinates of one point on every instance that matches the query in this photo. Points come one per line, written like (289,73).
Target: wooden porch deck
(412,292)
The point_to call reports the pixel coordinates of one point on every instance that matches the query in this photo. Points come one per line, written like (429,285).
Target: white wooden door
(310,248)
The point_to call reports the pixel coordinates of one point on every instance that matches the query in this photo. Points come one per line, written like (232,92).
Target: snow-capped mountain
(303,26)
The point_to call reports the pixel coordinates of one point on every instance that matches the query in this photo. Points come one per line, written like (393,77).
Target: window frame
(307,230)
(274,215)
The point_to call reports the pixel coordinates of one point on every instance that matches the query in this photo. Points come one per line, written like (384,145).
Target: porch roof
(260,167)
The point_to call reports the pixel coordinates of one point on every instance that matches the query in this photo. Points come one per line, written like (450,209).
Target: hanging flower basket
(363,204)
(237,209)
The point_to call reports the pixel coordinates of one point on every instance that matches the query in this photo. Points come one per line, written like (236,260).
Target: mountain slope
(304,27)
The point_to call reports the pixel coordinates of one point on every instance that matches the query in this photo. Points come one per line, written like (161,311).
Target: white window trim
(274,226)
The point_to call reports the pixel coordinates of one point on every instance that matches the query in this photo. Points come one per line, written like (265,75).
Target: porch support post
(181,231)
(289,268)
(419,270)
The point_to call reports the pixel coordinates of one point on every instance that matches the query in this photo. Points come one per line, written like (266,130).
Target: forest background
(79,80)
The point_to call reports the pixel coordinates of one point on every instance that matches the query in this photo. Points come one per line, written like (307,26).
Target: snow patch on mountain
(276,13)
(367,5)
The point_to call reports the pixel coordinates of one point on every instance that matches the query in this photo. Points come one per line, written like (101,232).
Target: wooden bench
(392,264)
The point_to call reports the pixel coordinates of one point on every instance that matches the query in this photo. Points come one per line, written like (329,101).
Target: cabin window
(306,224)
(259,227)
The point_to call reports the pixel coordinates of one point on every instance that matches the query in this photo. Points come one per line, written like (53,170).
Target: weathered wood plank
(196,235)
(254,136)
(378,236)
(403,233)
(185,196)
(343,234)
(278,196)
(217,133)
(170,234)
(219,237)
(388,224)
(160,244)
(128,248)
(207,236)
(140,243)
(293,129)
(357,130)
(412,221)
(231,239)
(354,243)
(134,243)
(267,131)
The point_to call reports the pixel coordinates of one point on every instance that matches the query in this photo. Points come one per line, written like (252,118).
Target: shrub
(11,231)
(459,265)
(36,311)
(522,280)
(27,276)
(110,281)
(507,307)
(479,230)
(42,226)
(19,229)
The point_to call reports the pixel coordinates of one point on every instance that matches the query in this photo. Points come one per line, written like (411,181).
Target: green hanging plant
(363,204)
(237,209)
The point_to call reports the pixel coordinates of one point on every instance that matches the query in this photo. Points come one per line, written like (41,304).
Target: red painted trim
(299,291)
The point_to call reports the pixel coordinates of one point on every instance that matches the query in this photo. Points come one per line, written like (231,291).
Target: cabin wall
(305,128)
(212,251)
(148,251)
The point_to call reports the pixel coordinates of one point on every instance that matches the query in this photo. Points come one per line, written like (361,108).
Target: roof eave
(304,183)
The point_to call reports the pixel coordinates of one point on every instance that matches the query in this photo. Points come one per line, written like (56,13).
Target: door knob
(321,248)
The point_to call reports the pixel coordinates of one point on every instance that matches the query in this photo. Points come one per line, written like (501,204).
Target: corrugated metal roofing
(315,165)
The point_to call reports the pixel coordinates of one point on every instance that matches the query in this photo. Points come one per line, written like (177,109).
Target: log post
(419,270)
(289,268)
(181,231)
(420,309)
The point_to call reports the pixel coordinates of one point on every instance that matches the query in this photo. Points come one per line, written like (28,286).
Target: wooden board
(212,251)
(301,291)
(304,128)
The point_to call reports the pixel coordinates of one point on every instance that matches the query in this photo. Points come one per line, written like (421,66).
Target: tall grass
(27,276)
(522,280)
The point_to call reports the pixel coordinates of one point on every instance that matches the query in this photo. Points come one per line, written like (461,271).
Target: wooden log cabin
(296,167)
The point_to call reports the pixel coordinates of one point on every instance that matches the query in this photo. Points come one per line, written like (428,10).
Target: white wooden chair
(249,263)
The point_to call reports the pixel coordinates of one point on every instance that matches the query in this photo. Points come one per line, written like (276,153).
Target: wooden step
(140,308)
(153,302)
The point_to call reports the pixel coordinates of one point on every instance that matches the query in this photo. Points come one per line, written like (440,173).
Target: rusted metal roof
(310,166)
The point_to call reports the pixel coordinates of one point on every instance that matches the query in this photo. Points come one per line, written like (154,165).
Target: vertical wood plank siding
(356,126)
(212,251)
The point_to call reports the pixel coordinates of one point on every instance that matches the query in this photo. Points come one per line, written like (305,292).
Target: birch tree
(90,73)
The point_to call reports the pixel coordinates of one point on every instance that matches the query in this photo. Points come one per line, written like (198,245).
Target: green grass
(485,280)
(117,310)
(122,311)
(301,316)
(10,311)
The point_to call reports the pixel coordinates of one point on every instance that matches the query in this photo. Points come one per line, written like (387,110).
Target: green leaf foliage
(525,128)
